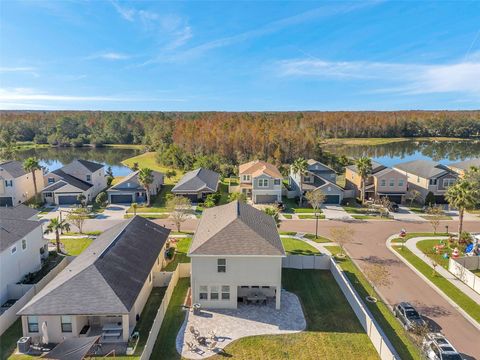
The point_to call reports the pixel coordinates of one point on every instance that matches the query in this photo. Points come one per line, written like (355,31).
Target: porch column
(125,327)
(278,294)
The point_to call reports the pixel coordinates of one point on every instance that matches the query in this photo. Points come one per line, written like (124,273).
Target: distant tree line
(188,139)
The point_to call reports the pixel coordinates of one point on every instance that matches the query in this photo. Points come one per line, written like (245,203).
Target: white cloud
(126,13)
(109,56)
(20,69)
(409,78)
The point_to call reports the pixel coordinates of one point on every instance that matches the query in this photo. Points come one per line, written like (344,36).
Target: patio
(232,324)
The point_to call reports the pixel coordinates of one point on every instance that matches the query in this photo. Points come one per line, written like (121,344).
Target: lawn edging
(430,283)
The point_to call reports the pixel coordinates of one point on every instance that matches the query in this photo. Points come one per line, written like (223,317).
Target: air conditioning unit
(23,344)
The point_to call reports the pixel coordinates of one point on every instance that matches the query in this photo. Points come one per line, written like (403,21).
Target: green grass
(287,216)
(395,332)
(462,300)
(319,239)
(303,217)
(418,234)
(298,247)
(158,202)
(75,246)
(90,233)
(148,160)
(147,216)
(8,340)
(182,246)
(438,217)
(426,246)
(291,206)
(288,233)
(181,232)
(369,217)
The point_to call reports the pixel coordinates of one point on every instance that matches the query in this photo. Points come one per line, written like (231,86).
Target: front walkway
(404,214)
(335,212)
(232,324)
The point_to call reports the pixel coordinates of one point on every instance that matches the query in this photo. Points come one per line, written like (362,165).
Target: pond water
(55,158)
(445,152)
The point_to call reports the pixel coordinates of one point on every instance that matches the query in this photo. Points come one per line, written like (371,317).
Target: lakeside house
(197,184)
(103,291)
(16,184)
(462,166)
(261,182)
(236,252)
(129,189)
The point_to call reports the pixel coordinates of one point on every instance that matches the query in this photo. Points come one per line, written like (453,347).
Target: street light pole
(316,225)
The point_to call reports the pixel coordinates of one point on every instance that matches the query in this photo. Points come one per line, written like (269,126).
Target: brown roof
(236,229)
(259,167)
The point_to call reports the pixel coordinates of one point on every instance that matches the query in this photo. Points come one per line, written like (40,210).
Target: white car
(436,347)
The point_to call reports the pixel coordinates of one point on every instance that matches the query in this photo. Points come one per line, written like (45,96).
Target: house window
(66,323)
(8,183)
(392,182)
(246,177)
(89,177)
(433,182)
(203,294)
(448,182)
(225,292)
(213,292)
(221,265)
(48,194)
(51,180)
(400,182)
(32,324)
(24,244)
(13,250)
(276,182)
(262,182)
(307,179)
(383,182)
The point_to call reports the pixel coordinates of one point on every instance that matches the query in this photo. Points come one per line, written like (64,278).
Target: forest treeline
(231,136)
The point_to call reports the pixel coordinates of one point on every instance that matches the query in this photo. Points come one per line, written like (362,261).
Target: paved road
(406,285)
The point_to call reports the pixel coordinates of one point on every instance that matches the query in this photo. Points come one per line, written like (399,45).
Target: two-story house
(64,185)
(353,180)
(16,184)
(129,189)
(317,177)
(261,182)
(462,166)
(428,176)
(236,253)
(22,246)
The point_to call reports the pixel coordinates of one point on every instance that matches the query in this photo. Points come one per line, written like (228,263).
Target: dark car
(279,205)
(436,347)
(408,316)
(394,207)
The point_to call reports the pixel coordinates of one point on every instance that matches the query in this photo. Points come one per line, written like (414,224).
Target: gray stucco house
(196,184)
(129,189)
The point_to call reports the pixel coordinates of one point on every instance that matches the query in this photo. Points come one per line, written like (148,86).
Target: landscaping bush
(430,199)
(101,199)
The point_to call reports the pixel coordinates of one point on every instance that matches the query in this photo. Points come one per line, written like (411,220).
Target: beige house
(102,292)
(261,182)
(236,255)
(462,166)
(16,185)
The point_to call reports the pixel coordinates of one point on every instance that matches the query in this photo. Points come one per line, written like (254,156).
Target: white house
(236,252)
(16,184)
(103,290)
(260,181)
(63,186)
(22,246)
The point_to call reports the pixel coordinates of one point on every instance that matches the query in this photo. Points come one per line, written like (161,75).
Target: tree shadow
(379,261)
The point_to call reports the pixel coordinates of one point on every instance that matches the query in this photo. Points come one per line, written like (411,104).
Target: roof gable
(12,230)
(424,168)
(90,165)
(13,168)
(259,167)
(197,180)
(72,180)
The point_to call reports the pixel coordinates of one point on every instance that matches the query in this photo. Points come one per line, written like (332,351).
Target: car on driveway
(408,316)
(436,347)
(394,207)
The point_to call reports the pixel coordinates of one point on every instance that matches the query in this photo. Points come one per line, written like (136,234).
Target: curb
(432,285)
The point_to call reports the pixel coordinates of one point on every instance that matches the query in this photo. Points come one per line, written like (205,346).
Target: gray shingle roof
(376,167)
(72,180)
(108,276)
(466,164)
(90,165)
(197,180)
(132,179)
(13,167)
(12,230)
(385,171)
(236,229)
(423,168)
(55,186)
(17,212)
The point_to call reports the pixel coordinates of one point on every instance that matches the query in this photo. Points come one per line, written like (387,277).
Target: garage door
(121,199)
(67,200)
(395,198)
(266,199)
(332,199)
(6,201)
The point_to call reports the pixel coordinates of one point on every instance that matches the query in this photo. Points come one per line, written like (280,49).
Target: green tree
(145,178)
(179,208)
(82,199)
(462,195)
(364,168)
(55,226)
(31,164)
(274,214)
(237,196)
(101,199)
(430,199)
(78,217)
(299,167)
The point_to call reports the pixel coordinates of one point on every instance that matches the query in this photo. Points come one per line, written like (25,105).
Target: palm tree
(299,167)
(55,226)
(145,177)
(462,195)
(364,168)
(31,164)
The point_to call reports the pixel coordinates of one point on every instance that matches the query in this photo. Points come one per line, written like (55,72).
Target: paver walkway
(247,320)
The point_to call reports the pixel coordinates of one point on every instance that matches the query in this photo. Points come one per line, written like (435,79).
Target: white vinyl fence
(461,269)
(25,292)
(182,271)
(318,262)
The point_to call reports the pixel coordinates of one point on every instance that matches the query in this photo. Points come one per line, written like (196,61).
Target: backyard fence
(318,262)
(24,292)
(379,340)
(462,267)
(182,271)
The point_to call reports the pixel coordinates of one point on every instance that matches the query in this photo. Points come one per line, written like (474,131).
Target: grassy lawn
(223,190)
(91,233)
(319,239)
(418,234)
(369,217)
(303,217)
(462,300)
(75,246)
(288,233)
(287,216)
(426,246)
(181,251)
(291,206)
(158,202)
(148,160)
(298,247)
(439,217)
(323,304)
(8,341)
(117,179)
(148,216)
(380,311)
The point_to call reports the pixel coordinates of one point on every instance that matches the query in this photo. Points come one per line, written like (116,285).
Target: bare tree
(434,215)
(316,199)
(180,208)
(77,217)
(342,236)
(414,195)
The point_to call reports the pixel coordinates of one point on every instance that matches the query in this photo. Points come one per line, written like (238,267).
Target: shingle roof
(376,167)
(12,230)
(313,162)
(55,186)
(259,167)
(13,167)
(17,212)
(108,276)
(90,165)
(236,229)
(466,164)
(423,168)
(72,180)
(133,179)
(385,171)
(197,180)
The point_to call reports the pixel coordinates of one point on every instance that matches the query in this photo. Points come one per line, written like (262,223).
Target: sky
(239,56)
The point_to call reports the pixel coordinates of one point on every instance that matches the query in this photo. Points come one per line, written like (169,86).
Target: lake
(445,152)
(55,158)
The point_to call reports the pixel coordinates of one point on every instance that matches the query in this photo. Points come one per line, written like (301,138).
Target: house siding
(23,188)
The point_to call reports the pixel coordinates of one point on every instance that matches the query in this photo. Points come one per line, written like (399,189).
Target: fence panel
(461,267)
(319,262)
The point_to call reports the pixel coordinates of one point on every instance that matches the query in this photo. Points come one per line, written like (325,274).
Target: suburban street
(370,246)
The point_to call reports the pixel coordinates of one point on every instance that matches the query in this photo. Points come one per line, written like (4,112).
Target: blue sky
(265,55)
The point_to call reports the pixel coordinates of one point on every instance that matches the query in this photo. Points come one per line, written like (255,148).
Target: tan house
(103,291)
(236,255)
(462,166)
(16,184)
(261,182)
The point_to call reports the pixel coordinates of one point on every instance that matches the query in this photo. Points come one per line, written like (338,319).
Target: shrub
(101,199)
(430,199)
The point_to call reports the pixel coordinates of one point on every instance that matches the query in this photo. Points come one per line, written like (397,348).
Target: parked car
(436,347)
(279,205)
(394,207)
(408,316)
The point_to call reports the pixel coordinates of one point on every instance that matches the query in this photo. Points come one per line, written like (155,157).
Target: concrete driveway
(404,214)
(113,212)
(335,212)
